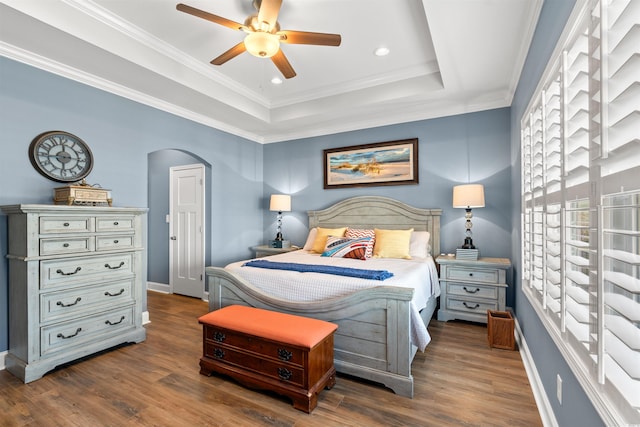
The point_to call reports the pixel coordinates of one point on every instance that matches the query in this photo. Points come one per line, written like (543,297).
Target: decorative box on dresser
(471,287)
(76,283)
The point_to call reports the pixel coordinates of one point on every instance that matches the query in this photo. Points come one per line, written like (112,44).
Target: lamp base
(468,243)
(279,243)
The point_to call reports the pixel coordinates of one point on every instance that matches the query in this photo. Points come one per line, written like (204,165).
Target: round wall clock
(61,156)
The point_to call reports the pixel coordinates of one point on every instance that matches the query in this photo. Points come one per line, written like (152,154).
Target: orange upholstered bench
(290,355)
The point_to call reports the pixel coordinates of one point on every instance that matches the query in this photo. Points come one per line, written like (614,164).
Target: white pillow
(310,239)
(419,246)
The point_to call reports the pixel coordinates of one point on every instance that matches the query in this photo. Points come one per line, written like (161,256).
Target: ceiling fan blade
(209,16)
(303,37)
(283,65)
(230,54)
(268,12)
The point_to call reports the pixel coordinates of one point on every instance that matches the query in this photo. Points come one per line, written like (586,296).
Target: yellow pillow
(321,237)
(392,243)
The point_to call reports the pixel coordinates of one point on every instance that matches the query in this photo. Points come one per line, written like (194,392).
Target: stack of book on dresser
(468,254)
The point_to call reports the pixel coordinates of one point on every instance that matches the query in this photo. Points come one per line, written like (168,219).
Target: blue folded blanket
(327,269)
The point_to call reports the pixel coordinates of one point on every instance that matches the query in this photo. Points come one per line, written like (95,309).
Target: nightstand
(266,250)
(470,288)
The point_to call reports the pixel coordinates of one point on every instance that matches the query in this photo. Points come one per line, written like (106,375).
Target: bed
(376,337)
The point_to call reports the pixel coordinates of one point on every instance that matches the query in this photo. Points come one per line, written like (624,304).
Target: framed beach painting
(382,163)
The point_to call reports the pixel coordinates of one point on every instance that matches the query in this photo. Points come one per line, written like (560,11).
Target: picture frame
(381,163)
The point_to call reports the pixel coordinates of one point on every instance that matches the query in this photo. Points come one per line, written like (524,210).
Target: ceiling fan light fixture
(262,44)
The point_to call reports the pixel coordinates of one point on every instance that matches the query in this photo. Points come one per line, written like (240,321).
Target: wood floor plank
(459,380)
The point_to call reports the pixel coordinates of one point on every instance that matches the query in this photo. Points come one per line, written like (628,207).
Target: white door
(186,248)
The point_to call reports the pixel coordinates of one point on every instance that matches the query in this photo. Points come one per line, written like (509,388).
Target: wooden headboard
(379,212)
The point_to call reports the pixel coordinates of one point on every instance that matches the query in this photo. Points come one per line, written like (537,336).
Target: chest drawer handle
(69,336)
(470,274)
(61,304)
(116,267)
(471,291)
(472,307)
(115,242)
(109,294)
(68,274)
(65,245)
(66,224)
(219,353)
(115,222)
(284,355)
(109,322)
(219,336)
(284,374)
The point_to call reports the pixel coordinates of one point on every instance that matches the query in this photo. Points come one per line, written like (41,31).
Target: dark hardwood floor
(459,380)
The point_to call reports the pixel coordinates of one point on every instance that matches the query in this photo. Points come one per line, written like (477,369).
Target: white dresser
(76,281)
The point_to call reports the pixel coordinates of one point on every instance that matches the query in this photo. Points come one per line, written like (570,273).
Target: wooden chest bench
(287,354)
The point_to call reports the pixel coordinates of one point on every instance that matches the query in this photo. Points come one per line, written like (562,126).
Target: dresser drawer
(67,304)
(115,223)
(61,224)
(474,275)
(66,245)
(275,350)
(85,270)
(249,362)
(66,335)
(476,291)
(108,243)
(471,306)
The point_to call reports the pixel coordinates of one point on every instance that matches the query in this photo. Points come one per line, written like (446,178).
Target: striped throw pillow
(356,233)
(341,247)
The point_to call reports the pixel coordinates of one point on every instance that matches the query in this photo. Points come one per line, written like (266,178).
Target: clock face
(61,156)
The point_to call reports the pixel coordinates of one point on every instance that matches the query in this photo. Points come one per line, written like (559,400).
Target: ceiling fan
(264,35)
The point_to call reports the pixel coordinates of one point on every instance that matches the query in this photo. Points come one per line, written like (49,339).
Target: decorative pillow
(308,245)
(356,233)
(392,243)
(419,246)
(341,247)
(321,237)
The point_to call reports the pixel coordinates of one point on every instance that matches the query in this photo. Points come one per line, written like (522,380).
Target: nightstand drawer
(472,274)
(473,290)
(471,306)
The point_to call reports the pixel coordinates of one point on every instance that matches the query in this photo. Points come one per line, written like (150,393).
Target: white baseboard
(159,287)
(3,354)
(145,317)
(542,400)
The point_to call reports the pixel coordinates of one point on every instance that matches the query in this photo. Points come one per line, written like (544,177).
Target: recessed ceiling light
(276,81)
(381,51)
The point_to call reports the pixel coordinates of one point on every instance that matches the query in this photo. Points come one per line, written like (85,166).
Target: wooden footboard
(373,337)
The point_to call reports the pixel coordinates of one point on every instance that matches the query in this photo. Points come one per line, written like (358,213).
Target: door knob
(173,238)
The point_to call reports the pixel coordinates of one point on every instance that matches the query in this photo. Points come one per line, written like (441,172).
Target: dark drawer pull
(219,336)
(219,353)
(476,305)
(61,304)
(471,291)
(284,374)
(116,267)
(109,322)
(68,274)
(65,245)
(66,224)
(108,294)
(470,274)
(115,241)
(115,222)
(284,355)
(69,336)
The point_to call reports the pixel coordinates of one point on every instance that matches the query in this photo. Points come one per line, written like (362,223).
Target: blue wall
(452,150)
(121,134)
(576,408)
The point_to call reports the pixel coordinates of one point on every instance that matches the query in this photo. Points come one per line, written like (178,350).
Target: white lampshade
(280,203)
(468,196)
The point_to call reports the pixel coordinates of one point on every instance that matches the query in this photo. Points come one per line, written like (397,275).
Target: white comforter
(417,273)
